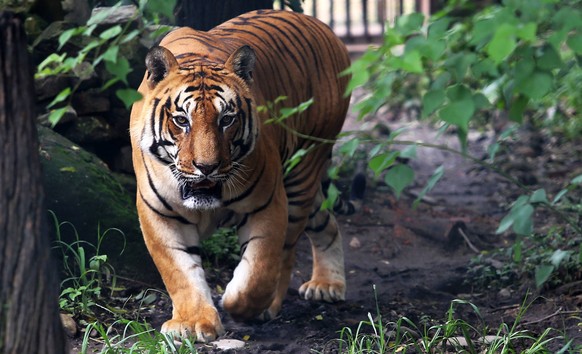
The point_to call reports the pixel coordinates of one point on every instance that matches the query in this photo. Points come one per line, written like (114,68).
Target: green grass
(452,335)
(132,337)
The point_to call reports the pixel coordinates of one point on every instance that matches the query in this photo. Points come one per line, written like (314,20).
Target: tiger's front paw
(205,327)
(323,290)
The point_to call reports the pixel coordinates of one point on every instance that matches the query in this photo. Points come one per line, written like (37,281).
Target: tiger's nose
(205,169)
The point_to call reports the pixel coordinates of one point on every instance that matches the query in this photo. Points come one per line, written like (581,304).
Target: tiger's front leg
(173,247)
(255,280)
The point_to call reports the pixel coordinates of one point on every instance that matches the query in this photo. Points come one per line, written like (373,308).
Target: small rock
(355,243)
(504,293)
(120,15)
(69,325)
(226,344)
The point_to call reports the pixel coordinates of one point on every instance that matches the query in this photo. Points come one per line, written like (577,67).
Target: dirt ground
(413,262)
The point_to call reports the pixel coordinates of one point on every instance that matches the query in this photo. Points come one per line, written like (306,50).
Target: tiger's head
(202,122)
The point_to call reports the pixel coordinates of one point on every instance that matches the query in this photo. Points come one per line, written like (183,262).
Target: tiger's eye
(181,121)
(227,120)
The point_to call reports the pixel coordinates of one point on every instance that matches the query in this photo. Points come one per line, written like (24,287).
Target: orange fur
(203,158)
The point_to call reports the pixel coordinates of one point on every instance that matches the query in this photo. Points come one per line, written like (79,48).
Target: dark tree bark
(204,15)
(29,314)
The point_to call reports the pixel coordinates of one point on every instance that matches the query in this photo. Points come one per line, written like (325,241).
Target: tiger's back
(204,158)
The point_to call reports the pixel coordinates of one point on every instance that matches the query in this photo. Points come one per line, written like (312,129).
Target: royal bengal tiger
(204,158)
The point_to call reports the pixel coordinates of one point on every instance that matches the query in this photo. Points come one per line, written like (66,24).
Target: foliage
(519,58)
(87,271)
(135,337)
(509,57)
(451,335)
(549,260)
(222,248)
(99,46)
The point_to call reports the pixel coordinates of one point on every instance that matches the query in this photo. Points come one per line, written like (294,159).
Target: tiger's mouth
(202,189)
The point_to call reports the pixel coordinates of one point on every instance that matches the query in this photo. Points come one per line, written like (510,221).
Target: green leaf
(517,250)
(111,32)
(66,35)
(481,101)
(410,23)
(110,54)
(543,273)
(382,161)
(408,152)
(164,7)
(131,35)
(523,223)
(527,32)
(399,177)
(441,82)
(559,195)
(517,109)
(128,96)
(432,100)
(459,63)
(458,113)
(510,218)
(575,43)
(119,69)
(375,150)
(539,196)
(432,181)
(56,115)
(559,256)
(549,58)
(537,85)
(359,72)
(483,30)
(294,160)
(503,43)
(505,223)
(576,180)
(349,148)
(438,29)
(332,195)
(412,62)
(63,95)
(485,67)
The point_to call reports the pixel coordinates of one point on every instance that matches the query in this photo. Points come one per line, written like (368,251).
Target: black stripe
(153,187)
(248,191)
(265,205)
(195,250)
(294,219)
(320,227)
(159,213)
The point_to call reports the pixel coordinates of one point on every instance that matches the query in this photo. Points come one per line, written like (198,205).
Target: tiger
(205,158)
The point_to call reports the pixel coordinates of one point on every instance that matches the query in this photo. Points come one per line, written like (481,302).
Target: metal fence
(362,20)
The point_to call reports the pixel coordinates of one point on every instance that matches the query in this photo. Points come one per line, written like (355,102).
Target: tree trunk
(29,315)
(204,15)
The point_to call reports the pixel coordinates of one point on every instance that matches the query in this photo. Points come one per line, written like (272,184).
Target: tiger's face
(207,123)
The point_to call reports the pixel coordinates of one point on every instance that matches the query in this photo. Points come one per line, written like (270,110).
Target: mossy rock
(82,191)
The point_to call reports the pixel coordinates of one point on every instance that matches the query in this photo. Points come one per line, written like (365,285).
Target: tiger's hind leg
(328,277)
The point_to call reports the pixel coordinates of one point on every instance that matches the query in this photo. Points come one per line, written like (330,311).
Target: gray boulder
(81,190)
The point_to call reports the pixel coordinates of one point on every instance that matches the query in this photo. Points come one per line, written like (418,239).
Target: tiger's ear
(159,63)
(242,63)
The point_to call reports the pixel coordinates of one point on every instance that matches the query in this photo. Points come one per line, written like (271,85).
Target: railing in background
(362,20)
